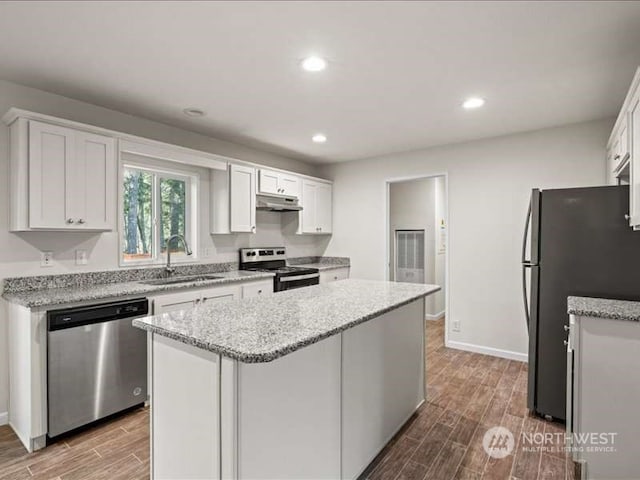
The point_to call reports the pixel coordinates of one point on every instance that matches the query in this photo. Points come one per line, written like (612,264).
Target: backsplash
(84,279)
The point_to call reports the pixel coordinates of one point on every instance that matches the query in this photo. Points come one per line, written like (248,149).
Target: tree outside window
(155,207)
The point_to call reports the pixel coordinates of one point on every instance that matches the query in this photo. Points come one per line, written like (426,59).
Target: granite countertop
(59,296)
(604,308)
(322,266)
(262,329)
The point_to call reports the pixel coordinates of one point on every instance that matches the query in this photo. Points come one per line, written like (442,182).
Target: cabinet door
(268,182)
(175,302)
(211,296)
(51,156)
(289,185)
(242,185)
(634,189)
(308,213)
(92,193)
(261,289)
(334,275)
(324,207)
(623,142)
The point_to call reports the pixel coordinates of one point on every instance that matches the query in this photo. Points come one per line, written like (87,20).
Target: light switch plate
(46,259)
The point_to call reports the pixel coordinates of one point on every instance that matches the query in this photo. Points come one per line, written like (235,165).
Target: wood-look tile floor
(115,450)
(466,394)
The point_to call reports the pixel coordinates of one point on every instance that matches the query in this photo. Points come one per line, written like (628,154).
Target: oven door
(297,281)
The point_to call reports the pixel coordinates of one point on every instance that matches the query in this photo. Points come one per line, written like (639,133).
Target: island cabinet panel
(288,415)
(604,396)
(382,382)
(185,415)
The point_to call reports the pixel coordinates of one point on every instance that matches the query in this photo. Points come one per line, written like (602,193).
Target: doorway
(416,237)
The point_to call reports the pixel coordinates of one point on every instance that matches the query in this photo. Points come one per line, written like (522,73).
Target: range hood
(277,203)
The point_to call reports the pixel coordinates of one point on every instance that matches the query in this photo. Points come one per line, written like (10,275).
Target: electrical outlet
(81,257)
(456,326)
(46,259)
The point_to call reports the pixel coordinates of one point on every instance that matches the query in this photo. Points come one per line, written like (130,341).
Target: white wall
(489,183)
(19,253)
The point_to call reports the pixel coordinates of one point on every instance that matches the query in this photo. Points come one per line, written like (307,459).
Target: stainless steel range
(274,259)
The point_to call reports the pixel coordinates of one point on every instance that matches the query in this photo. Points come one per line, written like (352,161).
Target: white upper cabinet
(317,206)
(233,200)
(623,150)
(242,186)
(61,178)
(634,130)
(271,182)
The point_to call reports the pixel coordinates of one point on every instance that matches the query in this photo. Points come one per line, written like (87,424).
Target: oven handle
(298,277)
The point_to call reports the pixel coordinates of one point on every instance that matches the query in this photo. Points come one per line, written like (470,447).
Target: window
(156,205)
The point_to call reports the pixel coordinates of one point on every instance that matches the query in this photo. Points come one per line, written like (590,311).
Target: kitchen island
(308,383)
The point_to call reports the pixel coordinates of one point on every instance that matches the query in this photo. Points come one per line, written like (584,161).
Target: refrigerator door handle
(526,234)
(525,296)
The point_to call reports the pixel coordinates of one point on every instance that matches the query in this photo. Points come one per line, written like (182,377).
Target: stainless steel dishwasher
(97,363)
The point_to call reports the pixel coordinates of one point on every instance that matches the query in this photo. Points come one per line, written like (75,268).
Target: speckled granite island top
(604,308)
(265,328)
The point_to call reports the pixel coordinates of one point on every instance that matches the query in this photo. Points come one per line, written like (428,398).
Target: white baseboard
(4,418)
(494,352)
(436,316)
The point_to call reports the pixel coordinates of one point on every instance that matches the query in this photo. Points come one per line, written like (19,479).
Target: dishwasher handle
(105,312)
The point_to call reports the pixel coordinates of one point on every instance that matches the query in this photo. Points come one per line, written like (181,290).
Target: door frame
(387,228)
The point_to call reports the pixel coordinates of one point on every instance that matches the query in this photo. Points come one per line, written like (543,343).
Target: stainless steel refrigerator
(577,241)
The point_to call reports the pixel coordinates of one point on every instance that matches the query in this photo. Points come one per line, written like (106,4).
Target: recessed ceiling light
(319,138)
(194,112)
(473,102)
(314,64)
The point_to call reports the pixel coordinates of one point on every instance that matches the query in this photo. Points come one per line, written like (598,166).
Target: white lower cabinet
(173,302)
(258,289)
(334,275)
(603,396)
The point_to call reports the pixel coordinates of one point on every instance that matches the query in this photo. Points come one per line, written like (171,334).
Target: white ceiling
(397,75)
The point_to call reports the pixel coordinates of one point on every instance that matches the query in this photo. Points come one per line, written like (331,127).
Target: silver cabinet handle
(259,292)
(627,216)
(197,300)
(253,228)
(566,328)
(69,220)
(81,221)
(566,342)
(616,157)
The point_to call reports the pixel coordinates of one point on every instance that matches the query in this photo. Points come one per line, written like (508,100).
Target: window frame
(158,172)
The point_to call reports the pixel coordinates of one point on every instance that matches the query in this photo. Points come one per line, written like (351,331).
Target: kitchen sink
(178,280)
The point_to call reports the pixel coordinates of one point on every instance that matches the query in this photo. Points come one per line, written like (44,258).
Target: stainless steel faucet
(169,269)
